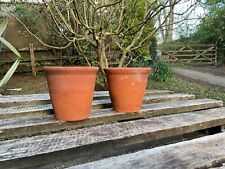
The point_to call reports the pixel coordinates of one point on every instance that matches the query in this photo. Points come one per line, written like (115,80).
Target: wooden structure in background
(33,66)
(32,138)
(33,59)
(28,47)
(189,53)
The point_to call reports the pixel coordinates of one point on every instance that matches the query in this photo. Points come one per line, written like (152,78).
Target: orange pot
(127,87)
(71,90)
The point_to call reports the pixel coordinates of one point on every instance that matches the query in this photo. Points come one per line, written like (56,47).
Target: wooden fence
(189,53)
(33,59)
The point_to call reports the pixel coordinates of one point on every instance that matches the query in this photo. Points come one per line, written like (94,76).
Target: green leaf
(13,68)
(6,43)
(10,72)
(3,26)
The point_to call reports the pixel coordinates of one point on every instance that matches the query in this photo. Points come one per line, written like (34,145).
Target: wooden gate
(189,53)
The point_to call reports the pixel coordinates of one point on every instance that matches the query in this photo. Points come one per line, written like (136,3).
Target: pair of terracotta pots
(72,89)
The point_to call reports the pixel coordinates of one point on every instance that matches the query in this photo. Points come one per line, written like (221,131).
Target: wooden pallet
(39,99)
(32,138)
(201,153)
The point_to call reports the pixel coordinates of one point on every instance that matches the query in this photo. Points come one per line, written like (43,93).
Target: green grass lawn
(180,86)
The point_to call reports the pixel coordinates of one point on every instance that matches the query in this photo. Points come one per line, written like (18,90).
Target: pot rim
(129,70)
(74,67)
(79,69)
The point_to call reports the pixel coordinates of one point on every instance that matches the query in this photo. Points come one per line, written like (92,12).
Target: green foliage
(212,28)
(3,26)
(143,61)
(76,60)
(13,68)
(9,74)
(153,49)
(161,72)
(6,43)
(148,56)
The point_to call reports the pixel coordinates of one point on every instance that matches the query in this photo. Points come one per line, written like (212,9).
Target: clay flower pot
(127,87)
(71,90)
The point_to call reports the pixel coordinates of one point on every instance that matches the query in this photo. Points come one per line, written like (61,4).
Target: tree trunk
(101,53)
(162,32)
(168,15)
(171,21)
(122,60)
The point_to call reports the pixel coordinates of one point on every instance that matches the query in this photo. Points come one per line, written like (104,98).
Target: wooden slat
(37,99)
(27,49)
(189,50)
(188,53)
(21,111)
(180,56)
(181,45)
(197,63)
(199,59)
(101,104)
(37,150)
(167,98)
(26,61)
(25,111)
(205,152)
(34,125)
(39,110)
(32,99)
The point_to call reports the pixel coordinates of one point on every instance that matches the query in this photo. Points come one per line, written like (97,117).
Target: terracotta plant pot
(71,90)
(127,87)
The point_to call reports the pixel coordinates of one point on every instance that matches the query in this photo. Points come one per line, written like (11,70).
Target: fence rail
(33,59)
(190,53)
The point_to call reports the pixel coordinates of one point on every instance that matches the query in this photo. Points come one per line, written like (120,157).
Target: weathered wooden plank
(184,45)
(190,51)
(167,98)
(37,99)
(197,63)
(33,125)
(24,100)
(205,152)
(100,104)
(180,56)
(39,149)
(220,167)
(20,111)
(25,111)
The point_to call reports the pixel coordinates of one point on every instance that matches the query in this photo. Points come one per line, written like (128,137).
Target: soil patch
(26,84)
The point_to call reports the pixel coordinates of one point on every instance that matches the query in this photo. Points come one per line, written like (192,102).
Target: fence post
(216,57)
(33,65)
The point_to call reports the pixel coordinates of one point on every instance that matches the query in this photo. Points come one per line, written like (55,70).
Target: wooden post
(33,65)
(216,57)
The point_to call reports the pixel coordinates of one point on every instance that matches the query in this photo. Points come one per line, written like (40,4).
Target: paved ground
(202,77)
(215,70)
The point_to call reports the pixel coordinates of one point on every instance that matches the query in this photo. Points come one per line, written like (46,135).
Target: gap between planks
(205,152)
